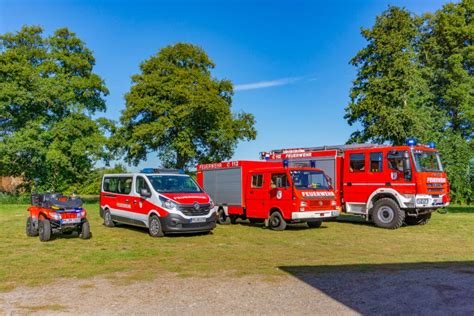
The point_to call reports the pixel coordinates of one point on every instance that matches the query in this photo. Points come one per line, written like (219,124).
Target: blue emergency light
(431,145)
(158,170)
(411,142)
(312,163)
(285,163)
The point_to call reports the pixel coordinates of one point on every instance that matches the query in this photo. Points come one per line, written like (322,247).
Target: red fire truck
(268,192)
(388,185)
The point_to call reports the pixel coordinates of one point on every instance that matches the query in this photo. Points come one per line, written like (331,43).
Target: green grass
(233,250)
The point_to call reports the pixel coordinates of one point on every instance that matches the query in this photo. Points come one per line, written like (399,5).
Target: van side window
(356,162)
(376,162)
(279,180)
(110,185)
(141,184)
(124,185)
(257,181)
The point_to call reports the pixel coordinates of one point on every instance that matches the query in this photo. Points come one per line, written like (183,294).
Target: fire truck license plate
(71,220)
(198,220)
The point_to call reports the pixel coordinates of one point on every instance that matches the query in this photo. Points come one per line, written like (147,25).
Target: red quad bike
(55,213)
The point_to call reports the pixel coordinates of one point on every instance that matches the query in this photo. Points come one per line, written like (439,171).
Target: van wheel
(44,230)
(314,224)
(418,220)
(85,230)
(276,221)
(387,214)
(108,219)
(31,231)
(222,218)
(154,227)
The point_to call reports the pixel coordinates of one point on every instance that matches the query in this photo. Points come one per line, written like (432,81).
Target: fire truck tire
(233,219)
(222,218)
(44,230)
(108,222)
(85,230)
(387,214)
(154,227)
(276,221)
(31,231)
(314,224)
(418,220)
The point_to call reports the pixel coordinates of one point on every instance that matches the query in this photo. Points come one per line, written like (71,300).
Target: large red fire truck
(268,192)
(389,185)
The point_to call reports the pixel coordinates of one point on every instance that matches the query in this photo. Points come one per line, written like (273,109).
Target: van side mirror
(145,193)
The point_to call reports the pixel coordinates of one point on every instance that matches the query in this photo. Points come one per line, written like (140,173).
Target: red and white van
(164,201)
(268,192)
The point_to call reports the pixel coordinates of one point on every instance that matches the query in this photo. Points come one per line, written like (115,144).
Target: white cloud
(267,84)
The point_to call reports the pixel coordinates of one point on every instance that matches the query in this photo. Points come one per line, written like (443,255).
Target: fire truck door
(256,195)
(355,178)
(281,196)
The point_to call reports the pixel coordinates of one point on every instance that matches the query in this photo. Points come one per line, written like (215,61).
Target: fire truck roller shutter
(328,164)
(224,185)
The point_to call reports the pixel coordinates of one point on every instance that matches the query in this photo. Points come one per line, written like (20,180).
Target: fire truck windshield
(308,179)
(174,184)
(427,161)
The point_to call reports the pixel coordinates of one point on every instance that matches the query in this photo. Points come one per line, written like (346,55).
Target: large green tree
(415,79)
(177,109)
(48,92)
(389,98)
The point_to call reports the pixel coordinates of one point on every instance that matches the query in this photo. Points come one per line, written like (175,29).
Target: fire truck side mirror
(407,166)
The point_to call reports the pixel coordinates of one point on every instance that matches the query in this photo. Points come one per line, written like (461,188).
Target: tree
(389,98)
(176,108)
(48,93)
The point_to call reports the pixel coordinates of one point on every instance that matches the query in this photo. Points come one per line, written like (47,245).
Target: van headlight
(168,204)
(211,202)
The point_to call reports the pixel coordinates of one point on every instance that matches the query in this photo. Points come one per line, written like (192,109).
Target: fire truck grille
(316,204)
(435,187)
(190,210)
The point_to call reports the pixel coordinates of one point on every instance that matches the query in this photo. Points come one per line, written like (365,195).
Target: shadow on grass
(403,288)
(144,230)
(298,226)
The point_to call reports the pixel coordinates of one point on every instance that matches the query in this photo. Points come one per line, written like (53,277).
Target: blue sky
(288,60)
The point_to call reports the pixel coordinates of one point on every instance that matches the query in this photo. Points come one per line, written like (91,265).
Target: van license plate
(198,220)
(70,221)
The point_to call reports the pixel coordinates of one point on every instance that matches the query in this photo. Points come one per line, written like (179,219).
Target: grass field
(233,250)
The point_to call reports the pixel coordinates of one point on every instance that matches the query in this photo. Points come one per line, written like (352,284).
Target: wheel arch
(384,193)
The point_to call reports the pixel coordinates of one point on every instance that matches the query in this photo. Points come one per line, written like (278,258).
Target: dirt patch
(425,291)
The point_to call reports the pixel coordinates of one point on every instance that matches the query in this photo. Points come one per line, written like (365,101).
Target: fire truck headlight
(303,204)
(333,202)
(167,203)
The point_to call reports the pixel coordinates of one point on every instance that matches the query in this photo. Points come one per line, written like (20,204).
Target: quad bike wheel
(85,230)
(31,230)
(44,230)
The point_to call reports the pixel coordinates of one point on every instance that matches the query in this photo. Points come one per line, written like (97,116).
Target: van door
(123,197)
(281,195)
(256,195)
(140,204)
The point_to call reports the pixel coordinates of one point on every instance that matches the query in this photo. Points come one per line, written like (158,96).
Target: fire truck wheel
(418,220)
(222,218)
(154,227)
(108,219)
(387,214)
(85,230)
(44,230)
(315,224)
(233,219)
(276,221)
(31,231)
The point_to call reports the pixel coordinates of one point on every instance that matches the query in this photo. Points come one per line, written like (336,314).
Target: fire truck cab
(389,185)
(268,192)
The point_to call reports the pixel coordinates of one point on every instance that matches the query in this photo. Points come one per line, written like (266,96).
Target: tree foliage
(48,93)
(415,79)
(175,107)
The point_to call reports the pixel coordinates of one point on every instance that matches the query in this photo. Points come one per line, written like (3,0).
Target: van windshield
(427,161)
(174,184)
(309,179)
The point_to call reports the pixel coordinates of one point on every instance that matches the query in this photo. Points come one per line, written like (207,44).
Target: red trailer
(268,192)
(389,185)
